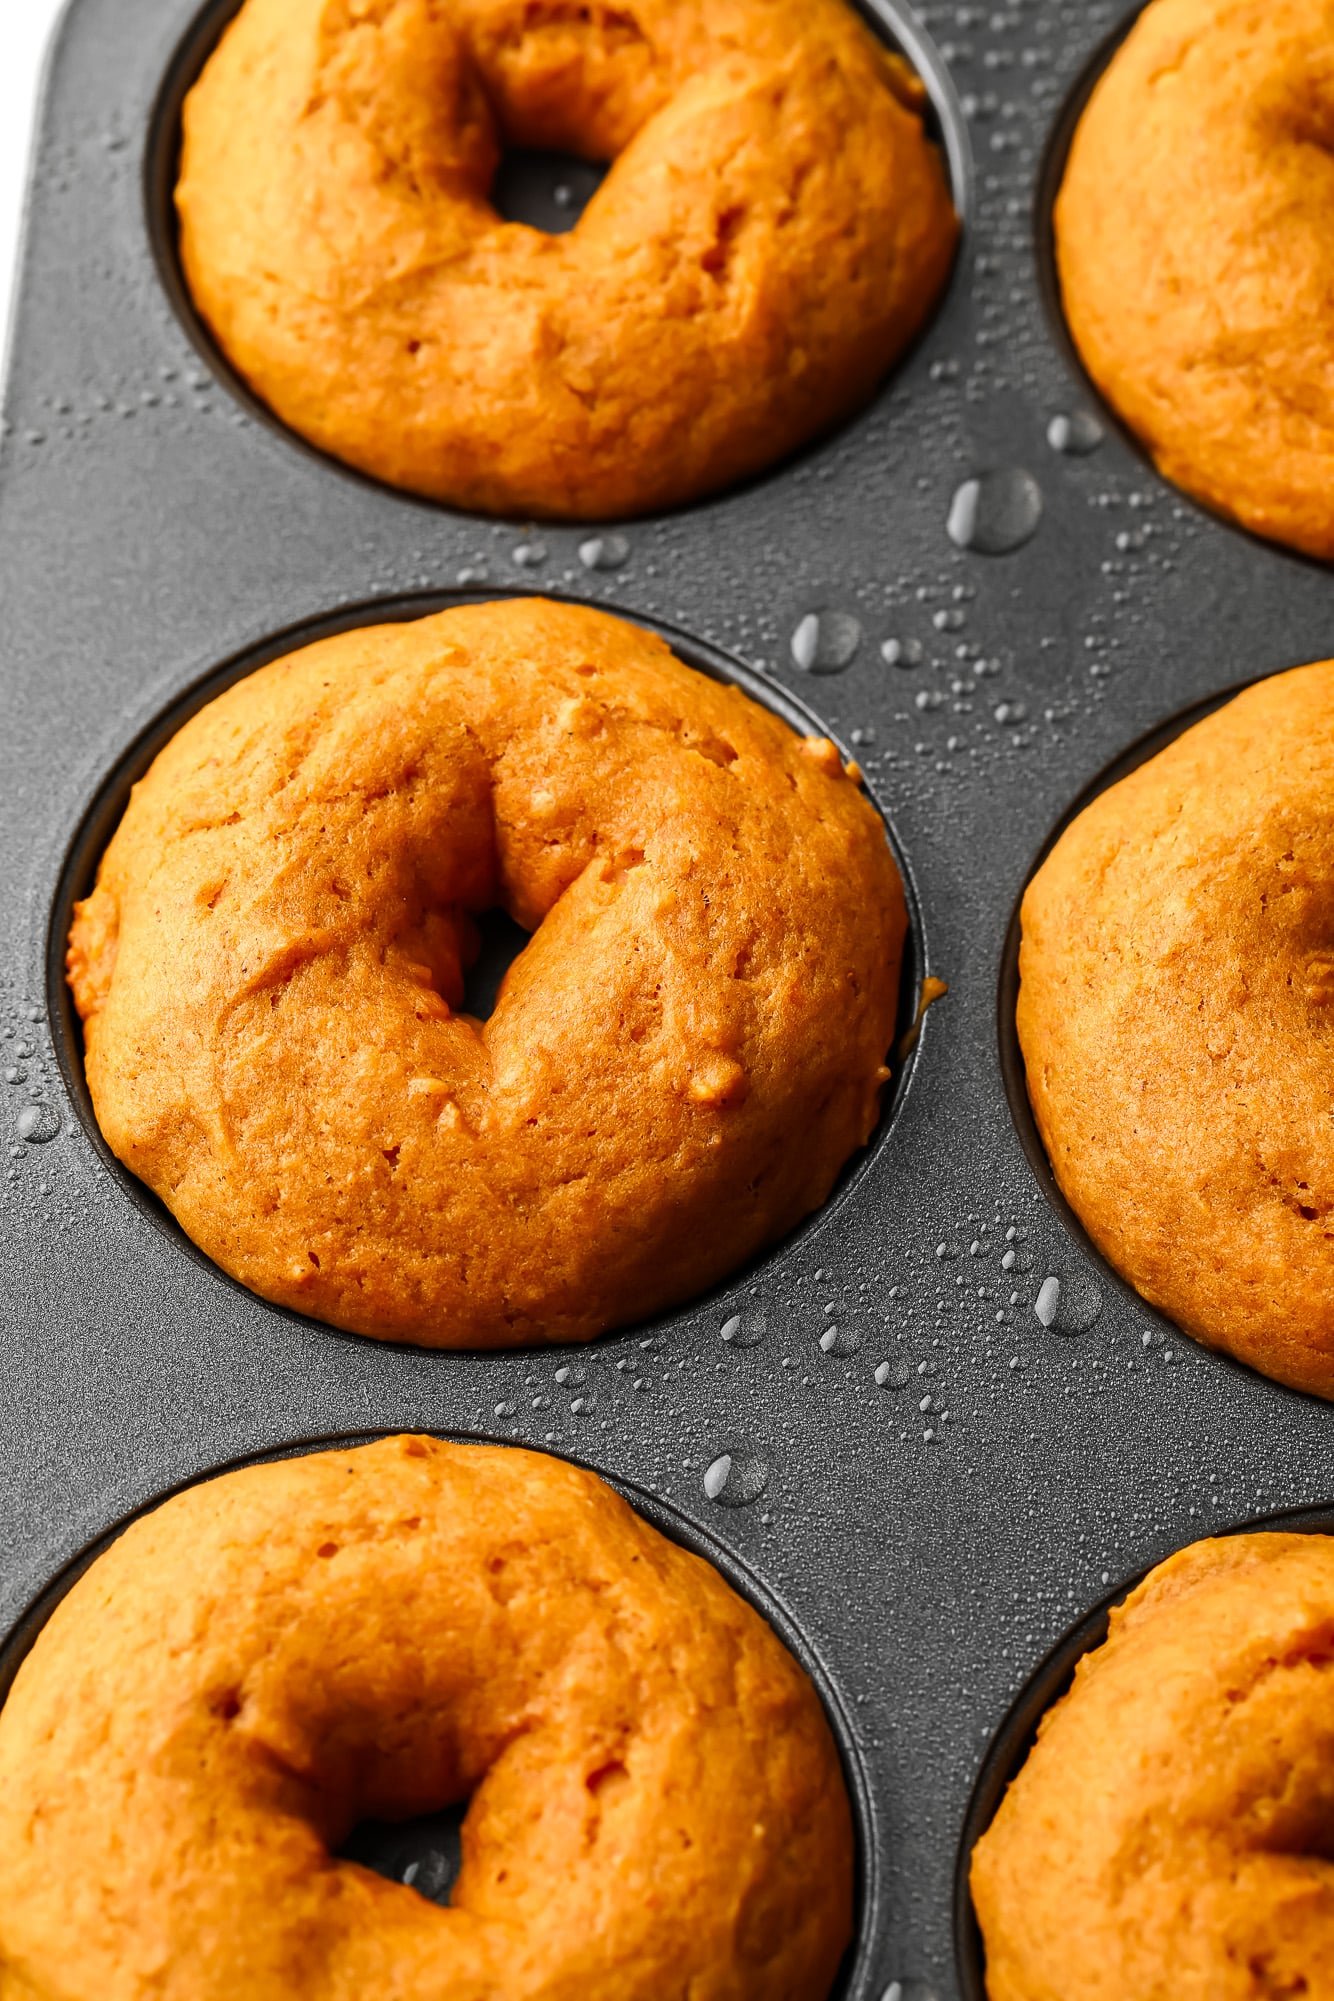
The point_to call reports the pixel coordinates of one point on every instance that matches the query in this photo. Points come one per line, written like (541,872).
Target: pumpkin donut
(1176,1013)
(1197,260)
(270,975)
(1168,1837)
(655,1802)
(740,282)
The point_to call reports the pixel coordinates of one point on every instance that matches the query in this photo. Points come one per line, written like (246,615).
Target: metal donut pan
(933,1499)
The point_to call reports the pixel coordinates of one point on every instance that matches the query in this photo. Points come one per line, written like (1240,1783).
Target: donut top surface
(656,1806)
(774,229)
(1169,1836)
(1196,254)
(270,971)
(1176,1013)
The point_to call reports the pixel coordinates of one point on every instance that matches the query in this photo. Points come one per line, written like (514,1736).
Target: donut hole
(469,973)
(499,943)
(424,1854)
(547,191)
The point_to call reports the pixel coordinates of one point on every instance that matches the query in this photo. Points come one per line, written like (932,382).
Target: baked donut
(1176,1015)
(774,230)
(656,1805)
(270,975)
(1196,256)
(1169,1836)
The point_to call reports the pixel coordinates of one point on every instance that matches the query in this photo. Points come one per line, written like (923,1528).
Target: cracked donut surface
(774,230)
(270,972)
(1170,1836)
(1197,259)
(656,1805)
(1176,1013)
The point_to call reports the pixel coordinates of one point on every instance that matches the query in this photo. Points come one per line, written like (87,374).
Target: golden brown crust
(738,284)
(1197,260)
(680,1061)
(1176,1014)
(1169,1836)
(281,1652)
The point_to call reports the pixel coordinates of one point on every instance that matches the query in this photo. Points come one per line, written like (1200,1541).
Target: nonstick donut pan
(981,589)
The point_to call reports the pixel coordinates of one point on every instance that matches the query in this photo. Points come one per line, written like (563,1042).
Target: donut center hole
(548,191)
(501,941)
(424,1854)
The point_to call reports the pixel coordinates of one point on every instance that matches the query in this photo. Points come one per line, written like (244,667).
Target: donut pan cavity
(154,527)
(426,1852)
(1049,1682)
(502,940)
(1156,1326)
(546,190)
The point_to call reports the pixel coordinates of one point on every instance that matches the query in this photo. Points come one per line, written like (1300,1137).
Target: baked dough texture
(1169,1836)
(1197,259)
(774,230)
(270,972)
(657,1807)
(1176,1014)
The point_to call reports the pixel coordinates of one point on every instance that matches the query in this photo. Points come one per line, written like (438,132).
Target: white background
(25,27)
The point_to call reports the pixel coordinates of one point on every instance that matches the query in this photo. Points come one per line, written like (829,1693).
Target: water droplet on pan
(432,1877)
(604,552)
(736,1478)
(903,653)
(1068,1305)
(996,513)
(1076,435)
(1048,1302)
(38,1124)
(825,642)
(745,1330)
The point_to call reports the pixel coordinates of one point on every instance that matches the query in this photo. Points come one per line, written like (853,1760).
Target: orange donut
(270,975)
(656,1804)
(1176,1014)
(1168,1836)
(1197,260)
(774,230)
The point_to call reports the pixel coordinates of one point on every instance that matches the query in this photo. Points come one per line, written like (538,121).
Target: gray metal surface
(154,527)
